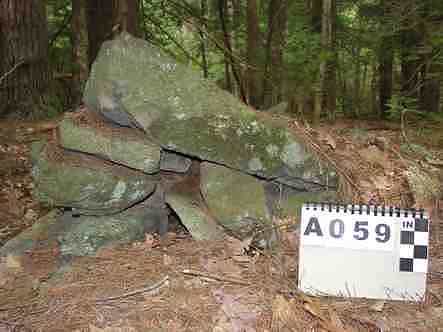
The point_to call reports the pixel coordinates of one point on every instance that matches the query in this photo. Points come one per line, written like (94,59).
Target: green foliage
(179,27)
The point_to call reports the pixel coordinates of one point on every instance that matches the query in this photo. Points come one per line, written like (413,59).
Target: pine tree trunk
(125,16)
(410,55)
(386,58)
(24,73)
(80,46)
(328,77)
(99,25)
(253,35)
(316,10)
(273,80)
(203,39)
(225,24)
(432,71)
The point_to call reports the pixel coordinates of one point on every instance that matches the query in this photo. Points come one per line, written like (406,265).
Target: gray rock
(191,115)
(90,185)
(83,235)
(127,147)
(284,201)
(236,200)
(174,162)
(193,216)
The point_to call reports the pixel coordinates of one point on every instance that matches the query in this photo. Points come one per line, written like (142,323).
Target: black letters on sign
(313,227)
(383,233)
(361,231)
(333,231)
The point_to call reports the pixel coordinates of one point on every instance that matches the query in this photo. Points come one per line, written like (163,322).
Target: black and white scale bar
(414,246)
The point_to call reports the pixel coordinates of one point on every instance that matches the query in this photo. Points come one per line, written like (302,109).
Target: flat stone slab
(87,184)
(190,115)
(124,146)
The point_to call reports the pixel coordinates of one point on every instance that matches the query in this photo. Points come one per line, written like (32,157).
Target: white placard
(354,231)
(363,251)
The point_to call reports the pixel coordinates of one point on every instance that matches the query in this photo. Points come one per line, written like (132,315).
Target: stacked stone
(155,137)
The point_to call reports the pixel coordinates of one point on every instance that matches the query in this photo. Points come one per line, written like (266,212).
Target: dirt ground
(178,284)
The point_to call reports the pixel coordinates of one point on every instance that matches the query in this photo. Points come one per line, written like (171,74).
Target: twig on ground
(215,277)
(18,64)
(403,130)
(155,286)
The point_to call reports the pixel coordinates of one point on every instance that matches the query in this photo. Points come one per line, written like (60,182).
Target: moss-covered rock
(193,216)
(82,235)
(236,200)
(122,146)
(173,162)
(191,115)
(31,237)
(88,184)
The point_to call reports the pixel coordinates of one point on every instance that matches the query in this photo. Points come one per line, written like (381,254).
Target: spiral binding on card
(368,209)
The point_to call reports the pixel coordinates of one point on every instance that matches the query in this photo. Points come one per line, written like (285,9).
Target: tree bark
(24,72)
(99,25)
(386,58)
(328,78)
(273,80)
(432,71)
(253,37)
(125,16)
(411,40)
(316,10)
(203,39)
(228,56)
(80,46)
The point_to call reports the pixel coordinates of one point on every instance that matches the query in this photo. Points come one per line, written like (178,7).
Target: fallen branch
(157,285)
(18,64)
(215,277)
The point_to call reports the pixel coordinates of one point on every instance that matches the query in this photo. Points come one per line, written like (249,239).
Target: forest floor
(178,284)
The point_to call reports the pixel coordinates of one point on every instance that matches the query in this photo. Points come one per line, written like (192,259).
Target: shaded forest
(324,59)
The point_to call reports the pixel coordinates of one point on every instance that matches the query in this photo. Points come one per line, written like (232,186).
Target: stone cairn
(154,140)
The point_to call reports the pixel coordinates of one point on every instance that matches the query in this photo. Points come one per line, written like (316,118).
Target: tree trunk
(125,16)
(410,56)
(386,58)
(253,37)
(316,10)
(229,59)
(432,72)
(80,46)
(203,39)
(273,80)
(328,78)
(224,22)
(99,25)
(24,73)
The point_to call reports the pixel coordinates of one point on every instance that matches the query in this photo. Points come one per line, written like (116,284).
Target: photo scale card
(363,251)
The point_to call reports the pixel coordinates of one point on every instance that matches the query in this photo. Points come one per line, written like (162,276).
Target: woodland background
(326,58)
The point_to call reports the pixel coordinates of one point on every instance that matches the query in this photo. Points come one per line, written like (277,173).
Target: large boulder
(134,84)
(89,185)
(129,147)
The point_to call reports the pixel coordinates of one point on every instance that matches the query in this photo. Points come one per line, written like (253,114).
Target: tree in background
(99,25)
(125,16)
(432,56)
(24,56)
(386,58)
(80,45)
(328,80)
(253,59)
(275,41)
